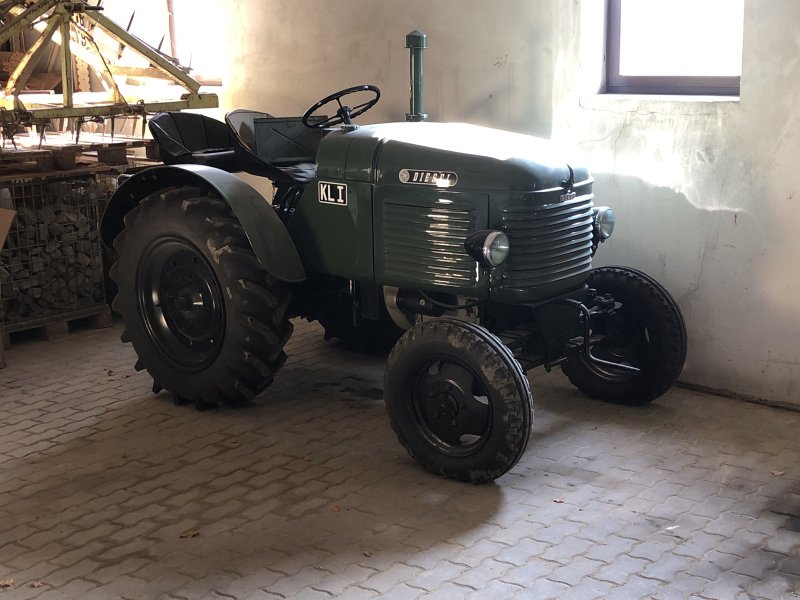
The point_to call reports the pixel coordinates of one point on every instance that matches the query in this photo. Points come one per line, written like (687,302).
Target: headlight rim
(483,245)
(604,222)
(500,238)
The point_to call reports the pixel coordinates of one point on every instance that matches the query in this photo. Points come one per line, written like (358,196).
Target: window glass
(681,37)
(674,46)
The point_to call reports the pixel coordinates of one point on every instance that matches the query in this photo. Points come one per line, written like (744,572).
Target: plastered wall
(287,54)
(707,197)
(706,192)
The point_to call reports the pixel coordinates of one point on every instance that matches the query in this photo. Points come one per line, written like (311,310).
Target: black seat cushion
(190,138)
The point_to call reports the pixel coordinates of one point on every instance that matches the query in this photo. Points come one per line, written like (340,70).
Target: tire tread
(646,387)
(258,302)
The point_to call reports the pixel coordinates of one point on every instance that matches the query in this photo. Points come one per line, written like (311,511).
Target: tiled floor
(107,491)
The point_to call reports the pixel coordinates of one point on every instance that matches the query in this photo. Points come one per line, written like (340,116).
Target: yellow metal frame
(61,19)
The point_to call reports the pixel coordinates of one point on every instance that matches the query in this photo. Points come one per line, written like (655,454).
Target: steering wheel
(344,114)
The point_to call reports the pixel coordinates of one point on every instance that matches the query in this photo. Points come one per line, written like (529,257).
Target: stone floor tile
(305,493)
(541,589)
(728,585)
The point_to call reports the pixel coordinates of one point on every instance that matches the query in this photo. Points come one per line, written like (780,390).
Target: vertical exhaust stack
(416,42)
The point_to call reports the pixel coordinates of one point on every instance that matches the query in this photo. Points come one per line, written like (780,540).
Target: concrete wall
(704,190)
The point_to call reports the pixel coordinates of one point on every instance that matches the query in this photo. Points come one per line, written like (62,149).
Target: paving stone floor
(107,491)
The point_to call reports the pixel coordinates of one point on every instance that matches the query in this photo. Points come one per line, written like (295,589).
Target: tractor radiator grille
(549,243)
(426,245)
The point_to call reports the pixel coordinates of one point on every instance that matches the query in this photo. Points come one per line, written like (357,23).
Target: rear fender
(272,244)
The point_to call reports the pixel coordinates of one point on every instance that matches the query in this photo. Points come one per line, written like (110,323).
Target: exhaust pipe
(416,42)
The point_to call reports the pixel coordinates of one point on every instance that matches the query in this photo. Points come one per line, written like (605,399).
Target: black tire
(206,321)
(647,331)
(458,400)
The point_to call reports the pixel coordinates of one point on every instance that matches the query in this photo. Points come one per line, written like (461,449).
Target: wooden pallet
(104,152)
(40,160)
(66,156)
(51,326)
(80,170)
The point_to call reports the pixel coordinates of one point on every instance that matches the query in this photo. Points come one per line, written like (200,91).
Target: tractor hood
(457,156)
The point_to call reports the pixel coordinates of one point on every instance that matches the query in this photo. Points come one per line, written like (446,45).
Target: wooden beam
(23,19)
(136,71)
(156,60)
(16,83)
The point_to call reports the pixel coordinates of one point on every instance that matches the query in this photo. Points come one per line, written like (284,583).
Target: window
(674,46)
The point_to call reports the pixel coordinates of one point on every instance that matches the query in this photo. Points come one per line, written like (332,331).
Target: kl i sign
(333,193)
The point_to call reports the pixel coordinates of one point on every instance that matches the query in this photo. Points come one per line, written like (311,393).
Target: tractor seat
(277,141)
(190,138)
(194,139)
(241,123)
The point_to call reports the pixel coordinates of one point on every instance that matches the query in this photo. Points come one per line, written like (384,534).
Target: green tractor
(469,247)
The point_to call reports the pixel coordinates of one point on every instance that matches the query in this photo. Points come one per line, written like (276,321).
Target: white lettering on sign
(333,193)
(440,179)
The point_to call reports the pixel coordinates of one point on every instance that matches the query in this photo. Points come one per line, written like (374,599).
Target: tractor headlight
(488,247)
(604,220)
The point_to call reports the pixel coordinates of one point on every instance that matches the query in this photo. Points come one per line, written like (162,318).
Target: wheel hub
(187,303)
(446,404)
(454,419)
(181,302)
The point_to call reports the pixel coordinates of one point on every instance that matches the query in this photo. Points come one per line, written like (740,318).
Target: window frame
(615,83)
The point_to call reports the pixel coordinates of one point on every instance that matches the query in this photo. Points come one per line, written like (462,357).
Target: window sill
(607,101)
(686,106)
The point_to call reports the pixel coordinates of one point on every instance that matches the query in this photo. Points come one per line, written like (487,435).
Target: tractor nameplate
(442,179)
(333,193)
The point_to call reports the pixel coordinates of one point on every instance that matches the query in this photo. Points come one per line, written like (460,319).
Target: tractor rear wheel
(646,331)
(458,400)
(205,319)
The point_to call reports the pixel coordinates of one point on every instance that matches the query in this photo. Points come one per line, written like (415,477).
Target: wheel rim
(451,406)
(180,302)
(626,340)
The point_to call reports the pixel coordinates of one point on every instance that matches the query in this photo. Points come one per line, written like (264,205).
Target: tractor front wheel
(646,331)
(458,400)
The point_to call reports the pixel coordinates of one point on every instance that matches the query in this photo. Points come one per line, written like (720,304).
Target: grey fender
(272,244)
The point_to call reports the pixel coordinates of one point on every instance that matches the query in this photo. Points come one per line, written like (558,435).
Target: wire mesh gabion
(52,262)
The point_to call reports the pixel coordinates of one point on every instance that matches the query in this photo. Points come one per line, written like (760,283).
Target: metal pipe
(587,346)
(416,42)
